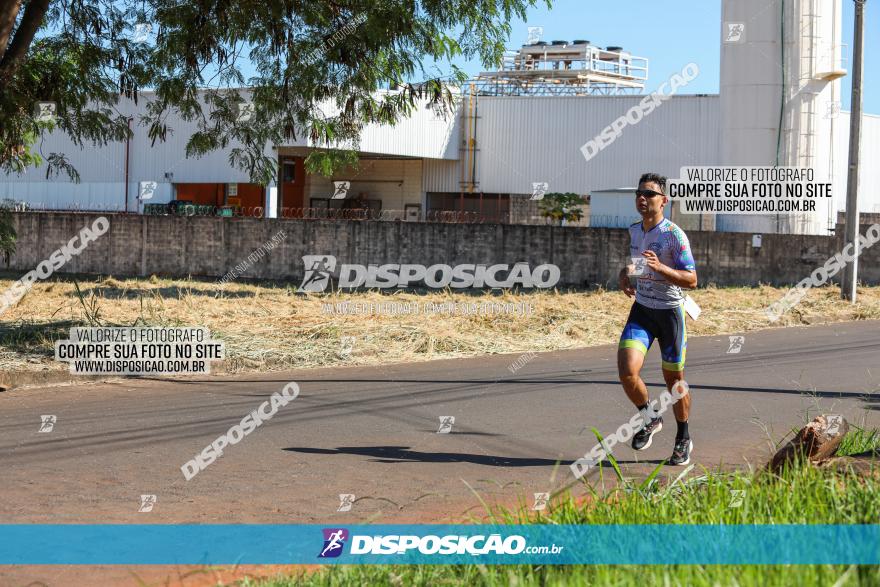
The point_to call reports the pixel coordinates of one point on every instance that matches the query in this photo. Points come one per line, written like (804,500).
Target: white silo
(780,93)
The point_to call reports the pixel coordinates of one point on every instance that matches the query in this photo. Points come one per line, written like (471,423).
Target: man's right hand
(624,283)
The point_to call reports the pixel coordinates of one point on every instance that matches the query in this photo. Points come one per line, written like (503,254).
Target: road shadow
(866,397)
(872,403)
(645,462)
(402,454)
(31,337)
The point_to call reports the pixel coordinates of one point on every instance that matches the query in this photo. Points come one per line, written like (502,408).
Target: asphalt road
(372,432)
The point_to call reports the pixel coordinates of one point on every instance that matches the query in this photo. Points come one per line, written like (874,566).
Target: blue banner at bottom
(148,544)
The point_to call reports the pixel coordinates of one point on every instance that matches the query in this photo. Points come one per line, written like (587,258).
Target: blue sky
(674,32)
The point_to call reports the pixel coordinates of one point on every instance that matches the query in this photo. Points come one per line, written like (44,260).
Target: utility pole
(851,232)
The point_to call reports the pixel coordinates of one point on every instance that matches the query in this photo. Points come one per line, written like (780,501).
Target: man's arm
(624,282)
(680,277)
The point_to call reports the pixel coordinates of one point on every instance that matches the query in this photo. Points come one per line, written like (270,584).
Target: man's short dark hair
(656,178)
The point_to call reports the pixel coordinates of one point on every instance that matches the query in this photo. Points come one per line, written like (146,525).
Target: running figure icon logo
(638,265)
(736,344)
(246,111)
(735,32)
(539,188)
(535,34)
(346,345)
(834,425)
(334,541)
(341,189)
(147,503)
(148,190)
(47,423)
(446,423)
(45,112)
(318,271)
(541,500)
(832,110)
(346,500)
(736,498)
(142,32)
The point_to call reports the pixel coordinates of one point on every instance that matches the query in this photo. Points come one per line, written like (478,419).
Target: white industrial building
(778,105)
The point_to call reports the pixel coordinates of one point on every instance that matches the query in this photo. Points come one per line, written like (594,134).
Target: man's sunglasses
(647,193)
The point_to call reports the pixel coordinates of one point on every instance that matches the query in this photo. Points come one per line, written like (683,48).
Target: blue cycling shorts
(666,325)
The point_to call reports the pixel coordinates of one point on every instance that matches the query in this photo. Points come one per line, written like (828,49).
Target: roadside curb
(11,380)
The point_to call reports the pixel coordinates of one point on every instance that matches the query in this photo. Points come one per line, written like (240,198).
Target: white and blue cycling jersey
(671,245)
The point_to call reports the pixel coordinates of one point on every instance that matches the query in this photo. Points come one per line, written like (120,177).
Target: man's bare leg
(682,407)
(683,444)
(629,366)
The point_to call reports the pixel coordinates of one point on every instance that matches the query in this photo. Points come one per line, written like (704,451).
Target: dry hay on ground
(270,327)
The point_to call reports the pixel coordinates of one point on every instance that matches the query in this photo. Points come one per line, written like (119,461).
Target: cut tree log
(864,463)
(816,442)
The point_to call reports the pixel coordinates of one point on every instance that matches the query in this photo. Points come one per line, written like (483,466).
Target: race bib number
(691,307)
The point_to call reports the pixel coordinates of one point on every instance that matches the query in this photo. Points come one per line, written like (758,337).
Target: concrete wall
(210,247)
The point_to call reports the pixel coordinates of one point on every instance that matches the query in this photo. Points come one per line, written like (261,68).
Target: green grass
(799,495)
(769,576)
(859,440)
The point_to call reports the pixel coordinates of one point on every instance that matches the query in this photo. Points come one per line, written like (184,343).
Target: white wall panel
(521,140)
(869,170)
(396,182)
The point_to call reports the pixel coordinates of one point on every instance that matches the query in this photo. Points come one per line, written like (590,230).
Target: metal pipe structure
(127,145)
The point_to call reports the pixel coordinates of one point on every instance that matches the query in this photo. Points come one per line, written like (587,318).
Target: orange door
(201,193)
(251,195)
(293,182)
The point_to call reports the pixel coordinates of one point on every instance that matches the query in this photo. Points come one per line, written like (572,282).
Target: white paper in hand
(691,307)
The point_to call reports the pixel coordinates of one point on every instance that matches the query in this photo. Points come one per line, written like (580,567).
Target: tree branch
(8,14)
(27,29)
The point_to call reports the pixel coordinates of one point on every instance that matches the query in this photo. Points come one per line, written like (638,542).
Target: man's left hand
(653,262)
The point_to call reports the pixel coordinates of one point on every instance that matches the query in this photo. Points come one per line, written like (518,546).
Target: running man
(657,313)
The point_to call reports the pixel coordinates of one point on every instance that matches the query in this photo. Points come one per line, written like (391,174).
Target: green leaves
(559,207)
(8,235)
(313,69)
(329,161)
